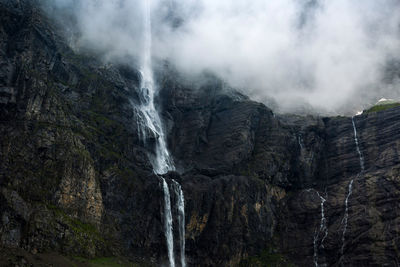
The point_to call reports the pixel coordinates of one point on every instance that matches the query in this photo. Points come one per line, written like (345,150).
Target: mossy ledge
(382,107)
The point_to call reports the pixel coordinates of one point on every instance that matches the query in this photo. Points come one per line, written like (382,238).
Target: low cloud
(331,56)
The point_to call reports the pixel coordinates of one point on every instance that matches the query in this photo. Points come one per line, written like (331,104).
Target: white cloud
(322,53)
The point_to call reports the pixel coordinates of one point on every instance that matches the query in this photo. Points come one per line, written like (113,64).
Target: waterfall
(323,228)
(300,141)
(350,188)
(181,221)
(168,223)
(357,146)
(346,215)
(149,117)
(149,120)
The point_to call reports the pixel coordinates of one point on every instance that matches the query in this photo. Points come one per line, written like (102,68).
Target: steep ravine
(75,178)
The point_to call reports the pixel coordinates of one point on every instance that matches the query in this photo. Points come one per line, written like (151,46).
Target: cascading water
(323,228)
(322,225)
(350,188)
(162,161)
(149,120)
(357,146)
(346,215)
(168,223)
(300,141)
(181,221)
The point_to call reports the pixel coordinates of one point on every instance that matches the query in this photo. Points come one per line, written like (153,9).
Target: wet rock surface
(76,180)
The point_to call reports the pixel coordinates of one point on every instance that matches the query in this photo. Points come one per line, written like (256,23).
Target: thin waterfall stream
(350,187)
(322,230)
(181,221)
(346,215)
(357,145)
(168,223)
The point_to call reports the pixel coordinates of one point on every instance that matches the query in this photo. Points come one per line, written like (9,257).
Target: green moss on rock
(267,258)
(109,262)
(382,107)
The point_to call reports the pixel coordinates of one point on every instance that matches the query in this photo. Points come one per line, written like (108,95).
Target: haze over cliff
(296,55)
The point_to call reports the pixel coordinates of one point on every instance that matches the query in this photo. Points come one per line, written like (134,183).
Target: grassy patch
(382,107)
(266,258)
(108,262)
(111,262)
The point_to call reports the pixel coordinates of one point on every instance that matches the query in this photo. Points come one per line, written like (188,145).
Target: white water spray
(149,117)
(149,120)
(181,221)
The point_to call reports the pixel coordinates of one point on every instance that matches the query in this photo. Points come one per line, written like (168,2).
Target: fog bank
(334,56)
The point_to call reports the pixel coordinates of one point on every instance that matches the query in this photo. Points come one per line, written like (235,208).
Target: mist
(301,55)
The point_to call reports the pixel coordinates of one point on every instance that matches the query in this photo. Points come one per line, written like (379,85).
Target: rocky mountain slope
(260,189)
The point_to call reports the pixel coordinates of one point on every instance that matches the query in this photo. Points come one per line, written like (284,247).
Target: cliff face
(76,180)
(73,177)
(284,168)
(372,223)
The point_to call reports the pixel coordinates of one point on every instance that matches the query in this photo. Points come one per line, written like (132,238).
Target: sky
(324,56)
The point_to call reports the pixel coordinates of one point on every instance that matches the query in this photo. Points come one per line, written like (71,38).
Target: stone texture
(293,158)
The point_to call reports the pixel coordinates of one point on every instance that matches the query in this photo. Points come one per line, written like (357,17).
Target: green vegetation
(381,107)
(81,229)
(267,258)
(108,262)
(114,262)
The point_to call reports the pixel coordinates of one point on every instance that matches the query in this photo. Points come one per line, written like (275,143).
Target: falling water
(149,117)
(300,141)
(357,146)
(181,221)
(149,120)
(346,214)
(323,228)
(346,202)
(168,223)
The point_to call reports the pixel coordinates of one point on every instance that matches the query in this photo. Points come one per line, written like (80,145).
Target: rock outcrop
(260,189)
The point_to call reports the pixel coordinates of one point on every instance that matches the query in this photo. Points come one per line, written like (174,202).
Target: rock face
(70,157)
(260,189)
